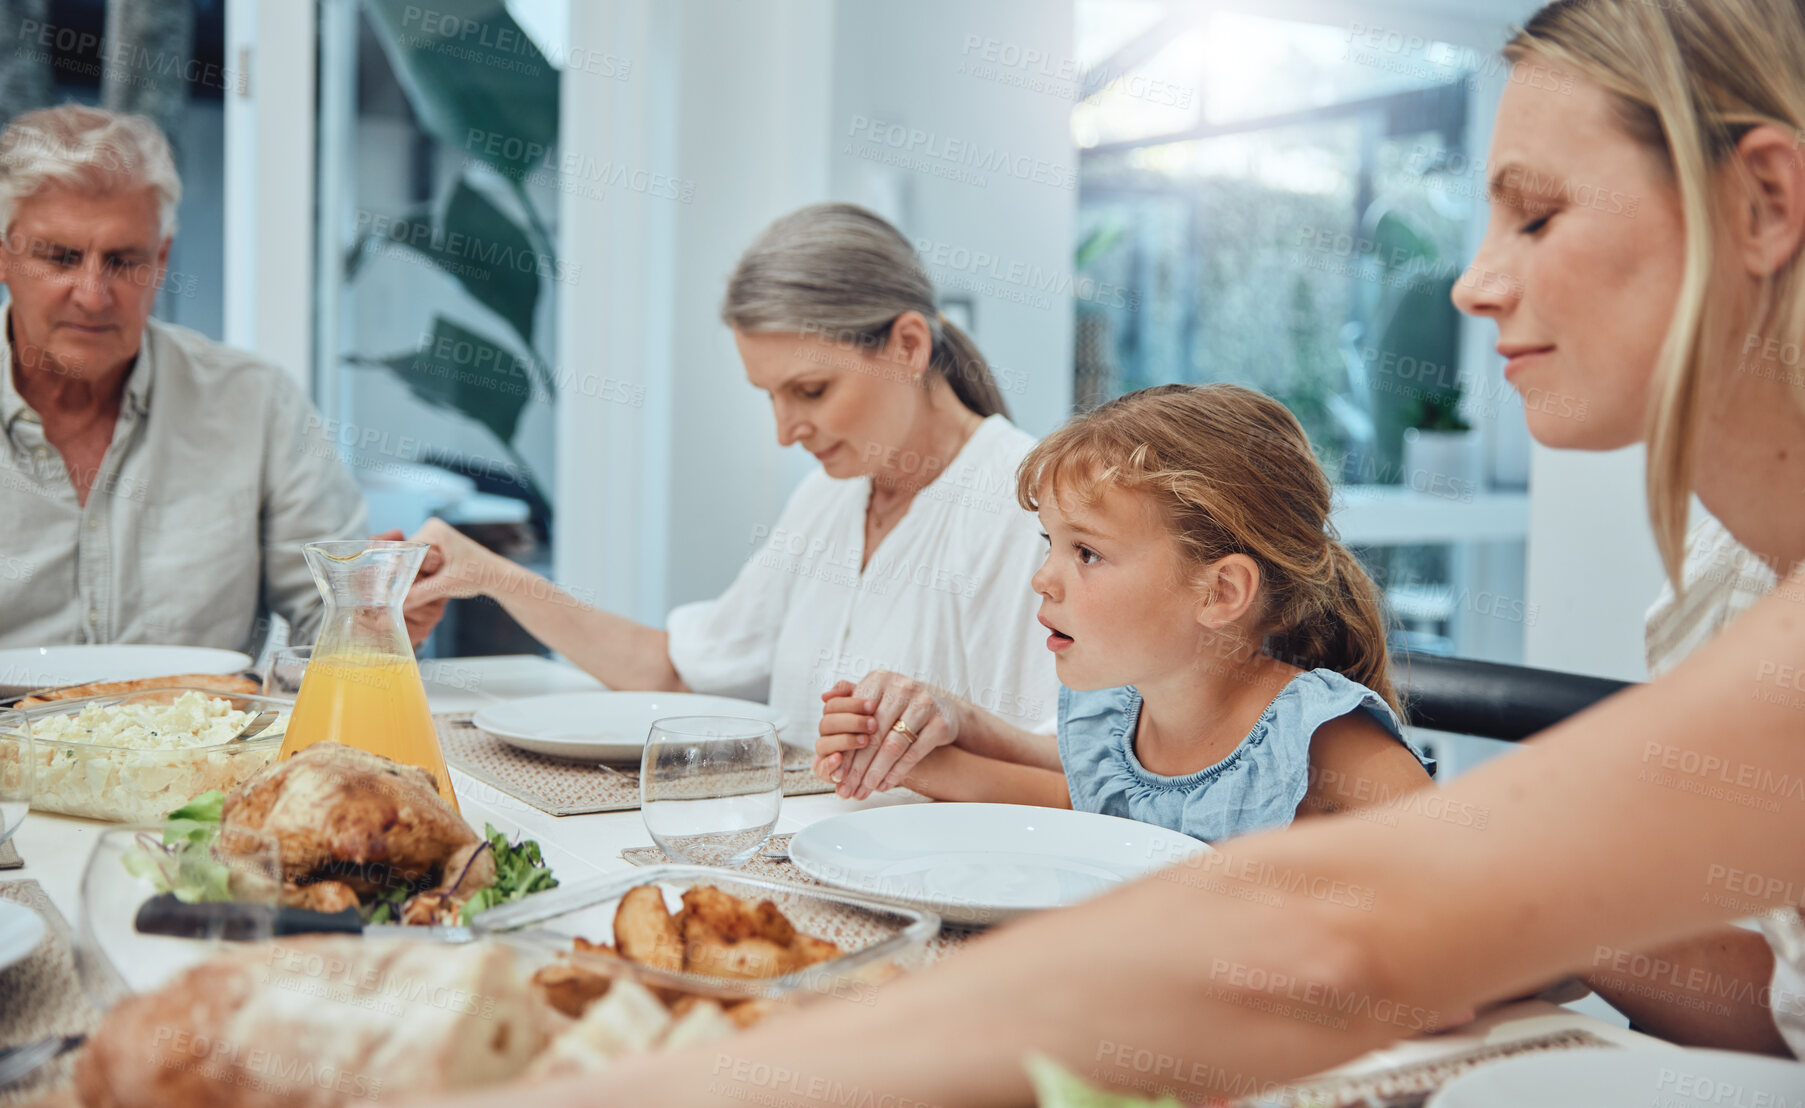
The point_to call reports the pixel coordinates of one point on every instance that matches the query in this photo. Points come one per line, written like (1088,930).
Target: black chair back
(1491,700)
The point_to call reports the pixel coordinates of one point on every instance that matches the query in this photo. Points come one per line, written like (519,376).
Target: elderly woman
(905,551)
(1674,327)
(157,486)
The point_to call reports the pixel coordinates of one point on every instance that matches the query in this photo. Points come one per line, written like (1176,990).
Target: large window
(439,274)
(1275,198)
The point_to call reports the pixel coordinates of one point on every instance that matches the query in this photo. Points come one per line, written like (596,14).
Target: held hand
(456,566)
(859,744)
(847,724)
(421,617)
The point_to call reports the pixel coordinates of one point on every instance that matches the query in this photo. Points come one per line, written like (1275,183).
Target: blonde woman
(1661,321)
(904,551)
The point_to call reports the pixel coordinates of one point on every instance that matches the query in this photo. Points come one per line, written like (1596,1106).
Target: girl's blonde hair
(1231,472)
(1691,78)
(842,273)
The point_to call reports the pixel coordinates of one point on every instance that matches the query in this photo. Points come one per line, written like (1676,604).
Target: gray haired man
(154,485)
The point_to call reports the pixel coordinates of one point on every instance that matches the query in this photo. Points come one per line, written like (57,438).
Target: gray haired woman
(905,552)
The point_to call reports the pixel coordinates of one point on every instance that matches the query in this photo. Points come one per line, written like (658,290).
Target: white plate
(21,930)
(604,726)
(37,667)
(1637,1077)
(983,863)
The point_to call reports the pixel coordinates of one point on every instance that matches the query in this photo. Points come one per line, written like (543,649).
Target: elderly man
(154,486)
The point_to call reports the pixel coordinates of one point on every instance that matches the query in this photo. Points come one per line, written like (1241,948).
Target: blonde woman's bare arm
(1285,953)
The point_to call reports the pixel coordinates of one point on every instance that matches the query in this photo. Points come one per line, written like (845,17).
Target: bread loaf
(317,1022)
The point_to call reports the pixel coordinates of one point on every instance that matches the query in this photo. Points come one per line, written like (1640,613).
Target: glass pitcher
(362,687)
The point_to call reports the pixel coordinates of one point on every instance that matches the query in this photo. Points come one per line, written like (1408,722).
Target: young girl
(1222,655)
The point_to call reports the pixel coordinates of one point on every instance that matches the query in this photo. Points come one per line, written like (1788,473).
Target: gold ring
(904,730)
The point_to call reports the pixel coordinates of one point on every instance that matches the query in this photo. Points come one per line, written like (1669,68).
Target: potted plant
(1441,450)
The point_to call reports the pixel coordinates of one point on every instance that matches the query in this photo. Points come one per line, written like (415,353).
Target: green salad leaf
(197,821)
(183,863)
(387,907)
(520,871)
(1056,1087)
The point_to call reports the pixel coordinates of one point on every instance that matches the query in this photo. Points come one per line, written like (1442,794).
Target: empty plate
(37,667)
(983,863)
(604,726)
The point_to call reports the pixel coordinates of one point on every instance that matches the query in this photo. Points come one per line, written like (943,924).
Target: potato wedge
(748,959)
(773,925)
(645,932)
(724,913)
(806,950)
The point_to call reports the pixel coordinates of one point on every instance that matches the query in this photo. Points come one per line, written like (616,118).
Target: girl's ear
(1227,590)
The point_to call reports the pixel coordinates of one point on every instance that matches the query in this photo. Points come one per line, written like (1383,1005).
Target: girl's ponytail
(1340,625)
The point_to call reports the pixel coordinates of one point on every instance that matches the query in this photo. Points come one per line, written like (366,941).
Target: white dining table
(55,849)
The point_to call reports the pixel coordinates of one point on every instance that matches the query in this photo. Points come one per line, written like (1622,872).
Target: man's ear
(1227,590)
(1770,217)
(163,262)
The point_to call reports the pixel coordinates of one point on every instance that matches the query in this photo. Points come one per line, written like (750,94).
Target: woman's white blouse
(945,599)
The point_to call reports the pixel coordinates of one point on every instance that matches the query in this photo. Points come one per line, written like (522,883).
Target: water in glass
(711,787)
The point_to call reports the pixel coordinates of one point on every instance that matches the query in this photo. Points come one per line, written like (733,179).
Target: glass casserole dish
(877,941)
(135,757)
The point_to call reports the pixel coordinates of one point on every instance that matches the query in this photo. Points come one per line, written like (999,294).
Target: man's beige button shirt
(218,472)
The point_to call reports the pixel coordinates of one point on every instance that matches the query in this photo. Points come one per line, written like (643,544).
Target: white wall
(752,121)
(747,107)
(269,181)
(998,243)
(658,500)
(1593,568)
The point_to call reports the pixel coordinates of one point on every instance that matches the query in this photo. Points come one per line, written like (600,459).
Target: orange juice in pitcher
(362,686)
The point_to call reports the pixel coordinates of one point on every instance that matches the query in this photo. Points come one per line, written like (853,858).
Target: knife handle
(165,915)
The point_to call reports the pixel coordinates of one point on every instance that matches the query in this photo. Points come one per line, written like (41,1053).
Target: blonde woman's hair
(88,149)
(839,272)
(1690,79)
(1231,472)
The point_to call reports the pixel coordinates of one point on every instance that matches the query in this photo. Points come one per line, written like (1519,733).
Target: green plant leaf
(479,246)
(466,372)
(1097,244)
(511,288)
(474,78)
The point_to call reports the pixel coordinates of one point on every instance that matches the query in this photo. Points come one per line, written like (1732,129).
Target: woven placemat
(951,936)
(41,996)
(1412,1086)
(562,787)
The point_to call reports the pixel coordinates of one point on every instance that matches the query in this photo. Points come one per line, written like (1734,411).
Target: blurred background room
(492,239)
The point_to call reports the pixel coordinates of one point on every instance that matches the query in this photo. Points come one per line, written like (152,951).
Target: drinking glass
(282,677)
(130,866)
(710,787)
(18,770)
